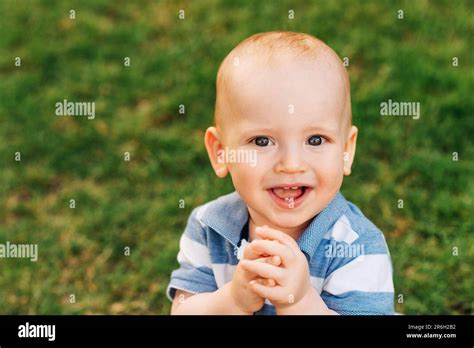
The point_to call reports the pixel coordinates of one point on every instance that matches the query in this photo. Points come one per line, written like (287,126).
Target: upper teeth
(293,187)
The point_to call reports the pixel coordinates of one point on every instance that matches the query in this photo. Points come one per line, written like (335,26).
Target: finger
(266,232)
(266,282)
(264,270)
(269,282)
(274,260)
(272,247)
(274,294)
(251,254)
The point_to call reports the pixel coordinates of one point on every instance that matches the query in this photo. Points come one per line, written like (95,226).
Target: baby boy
(286,241)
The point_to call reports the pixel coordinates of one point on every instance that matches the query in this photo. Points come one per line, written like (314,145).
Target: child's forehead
(286,92)
(275,73)
(281,121)
(289,79)
(253,55)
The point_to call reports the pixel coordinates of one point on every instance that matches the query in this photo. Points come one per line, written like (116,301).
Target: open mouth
(290,196)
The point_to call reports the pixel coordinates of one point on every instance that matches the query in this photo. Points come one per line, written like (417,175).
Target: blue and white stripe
(349,284)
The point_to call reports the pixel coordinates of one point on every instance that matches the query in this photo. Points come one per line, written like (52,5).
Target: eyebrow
(315,129)
(322,130)
(258,129)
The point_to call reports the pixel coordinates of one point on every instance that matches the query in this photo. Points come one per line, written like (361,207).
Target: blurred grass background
(173,62)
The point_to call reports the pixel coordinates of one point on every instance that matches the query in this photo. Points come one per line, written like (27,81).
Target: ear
(215,150)
(350,149)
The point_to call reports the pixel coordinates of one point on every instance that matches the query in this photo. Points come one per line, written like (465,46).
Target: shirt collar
(228,214)
(314,233)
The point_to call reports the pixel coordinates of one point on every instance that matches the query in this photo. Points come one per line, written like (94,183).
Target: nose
(291,161)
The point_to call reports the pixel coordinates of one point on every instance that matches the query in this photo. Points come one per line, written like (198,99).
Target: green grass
(135,204)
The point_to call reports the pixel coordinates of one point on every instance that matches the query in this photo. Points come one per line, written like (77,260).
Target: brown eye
(262,141)
(315,140)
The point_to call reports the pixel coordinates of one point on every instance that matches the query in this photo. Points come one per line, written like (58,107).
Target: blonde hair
(267,46)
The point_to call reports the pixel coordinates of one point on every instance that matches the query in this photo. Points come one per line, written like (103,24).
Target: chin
(289,220)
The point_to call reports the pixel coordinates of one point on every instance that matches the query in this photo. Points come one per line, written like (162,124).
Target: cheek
(251,174)
(245,177)
(329,169)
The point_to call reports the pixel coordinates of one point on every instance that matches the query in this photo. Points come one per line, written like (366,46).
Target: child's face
(294,116)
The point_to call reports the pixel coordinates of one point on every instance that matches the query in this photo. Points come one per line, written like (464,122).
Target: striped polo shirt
(348,257)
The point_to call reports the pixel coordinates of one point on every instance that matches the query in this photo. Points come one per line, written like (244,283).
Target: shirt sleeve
(362,285)
(194,274)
